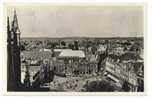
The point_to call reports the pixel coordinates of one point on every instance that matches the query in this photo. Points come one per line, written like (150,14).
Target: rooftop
(72,53)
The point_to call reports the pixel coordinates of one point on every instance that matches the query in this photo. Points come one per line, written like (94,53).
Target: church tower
(13,55)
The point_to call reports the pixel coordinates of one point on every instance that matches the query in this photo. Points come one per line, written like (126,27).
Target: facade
(122,72)
(75,68)
(73,63)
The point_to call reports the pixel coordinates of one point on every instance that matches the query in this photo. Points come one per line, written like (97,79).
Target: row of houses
(125,71)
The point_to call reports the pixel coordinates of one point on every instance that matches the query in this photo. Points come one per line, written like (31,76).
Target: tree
(125,86)
(49,44)
(27,82)
(76,47)
(70,46)
(140,85)
(22,47)
(63,43)
(99,86)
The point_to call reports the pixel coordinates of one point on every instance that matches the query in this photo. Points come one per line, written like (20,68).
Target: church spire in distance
(15,26)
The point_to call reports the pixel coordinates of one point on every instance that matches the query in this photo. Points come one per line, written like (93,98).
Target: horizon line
(87,37)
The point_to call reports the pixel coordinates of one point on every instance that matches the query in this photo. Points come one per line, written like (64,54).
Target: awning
(113,78)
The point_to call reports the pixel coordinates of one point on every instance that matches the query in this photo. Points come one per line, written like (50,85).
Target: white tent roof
(113,78)
(72,53)
(60,50)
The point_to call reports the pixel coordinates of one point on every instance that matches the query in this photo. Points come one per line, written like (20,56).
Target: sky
(78,20)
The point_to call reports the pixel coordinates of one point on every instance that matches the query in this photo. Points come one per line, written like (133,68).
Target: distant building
(119,50)
(102,48)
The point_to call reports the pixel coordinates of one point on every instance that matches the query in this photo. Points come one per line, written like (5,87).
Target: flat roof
(60,50)
(72,53)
